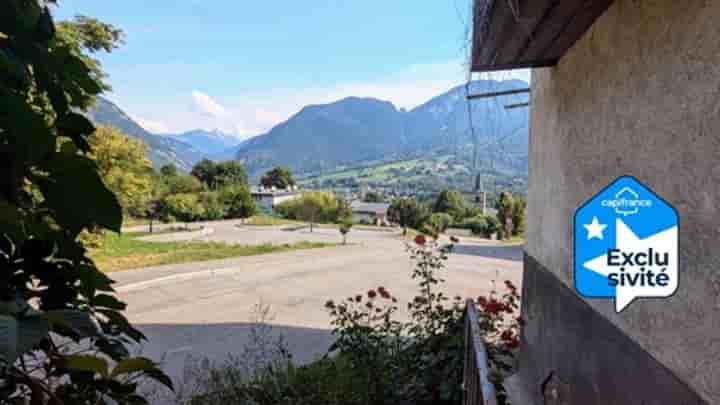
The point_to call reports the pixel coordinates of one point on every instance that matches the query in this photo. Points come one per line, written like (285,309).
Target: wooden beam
(498,93)
(582,21)
(531,13)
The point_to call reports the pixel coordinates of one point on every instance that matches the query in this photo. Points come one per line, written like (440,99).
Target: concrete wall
(639,94)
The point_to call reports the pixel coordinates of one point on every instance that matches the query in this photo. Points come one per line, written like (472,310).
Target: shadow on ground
(510,252)
(175,344)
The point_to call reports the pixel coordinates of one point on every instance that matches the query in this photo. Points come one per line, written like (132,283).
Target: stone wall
(638,95)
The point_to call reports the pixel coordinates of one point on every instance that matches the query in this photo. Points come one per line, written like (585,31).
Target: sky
(244,66)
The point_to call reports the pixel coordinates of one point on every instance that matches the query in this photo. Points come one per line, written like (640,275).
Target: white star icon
(595,229)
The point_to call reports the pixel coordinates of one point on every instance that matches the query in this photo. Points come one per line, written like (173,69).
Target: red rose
(420,240)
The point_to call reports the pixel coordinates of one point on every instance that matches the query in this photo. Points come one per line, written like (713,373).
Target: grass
(266,220)
(121,252)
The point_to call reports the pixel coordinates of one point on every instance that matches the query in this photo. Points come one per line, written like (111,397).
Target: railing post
(478,390)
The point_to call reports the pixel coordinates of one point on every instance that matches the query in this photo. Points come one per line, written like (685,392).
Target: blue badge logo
(626,244)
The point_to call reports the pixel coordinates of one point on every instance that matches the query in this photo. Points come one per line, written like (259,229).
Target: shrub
(212,206)
(438,223)
(183,207)
(238,202)
(481,225)
(408,213)
(313,206)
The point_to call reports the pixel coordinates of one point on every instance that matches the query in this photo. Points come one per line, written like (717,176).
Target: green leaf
(108,301)
(8,338)
(79,321)
(85,362)
(19,335)
(77,128)
(133,365)
(31,330)
(23,129)
(77,195)
(159,376)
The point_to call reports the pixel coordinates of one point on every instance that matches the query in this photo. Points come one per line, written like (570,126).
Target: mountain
(163,149)
(354,130)
(207,142)
(322,136)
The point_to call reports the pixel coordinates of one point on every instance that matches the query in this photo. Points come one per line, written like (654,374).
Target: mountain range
(348,132)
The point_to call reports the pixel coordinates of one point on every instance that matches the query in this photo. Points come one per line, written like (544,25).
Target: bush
(238,202)
(486,225)
(314,206)
(183,207)
(438,223)
(213,206)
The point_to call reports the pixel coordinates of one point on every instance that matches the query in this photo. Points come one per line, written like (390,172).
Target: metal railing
(477,387)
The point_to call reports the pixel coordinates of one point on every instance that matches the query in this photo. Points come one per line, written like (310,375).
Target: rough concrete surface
(639,95)
(206,309)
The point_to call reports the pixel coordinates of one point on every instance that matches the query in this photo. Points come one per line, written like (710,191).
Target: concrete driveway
(206,309)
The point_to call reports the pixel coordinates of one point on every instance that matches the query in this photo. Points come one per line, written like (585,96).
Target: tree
(373,197)
(124,167)
(505,206)
(51,292)
(182,207)
(169,170)
(518,215)
(280,177)
(183,184)
(345,219)
(407,212)
(205,171)
(312,207)
(239,202)
(438,223)
(450,202)
(219,175)
(230,173)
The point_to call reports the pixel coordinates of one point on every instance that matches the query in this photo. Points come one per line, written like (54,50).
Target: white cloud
(207,105)
(156,127)
(251,113)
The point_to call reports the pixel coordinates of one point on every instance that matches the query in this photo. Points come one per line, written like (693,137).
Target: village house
(268,198)
(618,88)
(370,213)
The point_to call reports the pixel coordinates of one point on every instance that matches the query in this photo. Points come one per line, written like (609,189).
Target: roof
(511,34)
(373,208)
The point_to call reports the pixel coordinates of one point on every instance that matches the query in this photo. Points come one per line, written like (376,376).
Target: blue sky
(243,66)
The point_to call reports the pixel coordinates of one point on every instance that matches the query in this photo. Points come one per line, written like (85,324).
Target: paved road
(206,309)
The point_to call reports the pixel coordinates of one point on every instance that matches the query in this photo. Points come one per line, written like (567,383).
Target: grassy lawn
(120,252)
(266,220)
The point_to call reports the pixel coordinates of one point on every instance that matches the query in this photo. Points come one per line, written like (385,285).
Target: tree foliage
(511,214)
(239,202)
(218,175)
(452,203)
(169,170)
(52,296)
(124,166)
(408,213)
(373,197)
(280,177)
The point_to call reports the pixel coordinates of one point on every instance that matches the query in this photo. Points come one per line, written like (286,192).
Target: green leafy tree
(518,215)
(218,175)
(182,207)
(345,219)
(280,177)
(312,207)
(438,223)
(505,206)
(373,197)
(450,202)
(205,171)
(230,173)
(239,202)
(124,166)
(169,170)
(183,184)
(50,191)
(408,213)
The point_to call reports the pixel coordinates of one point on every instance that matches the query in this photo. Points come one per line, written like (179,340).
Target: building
(268,198)
(370,213)
(622,87)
